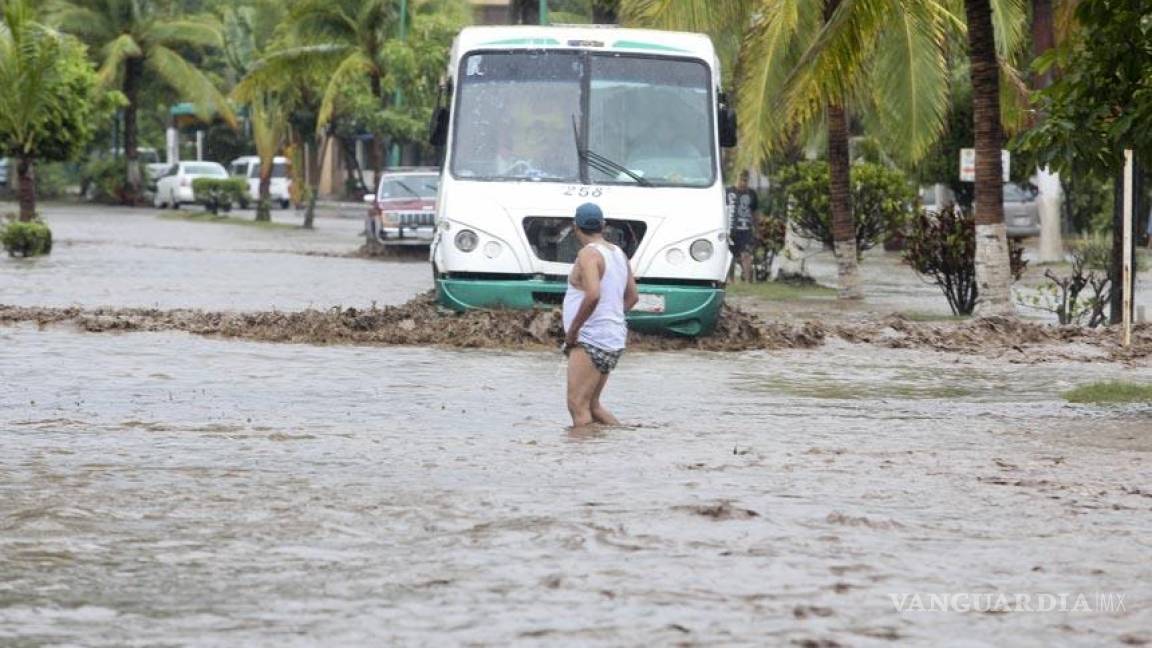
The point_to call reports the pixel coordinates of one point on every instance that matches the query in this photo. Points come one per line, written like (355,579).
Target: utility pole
(543,12)
(398,96)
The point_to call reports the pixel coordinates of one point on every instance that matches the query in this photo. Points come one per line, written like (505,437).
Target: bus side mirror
(438,130)
(727,117)
(728,126)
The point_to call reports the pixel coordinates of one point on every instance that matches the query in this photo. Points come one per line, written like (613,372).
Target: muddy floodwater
(160,488)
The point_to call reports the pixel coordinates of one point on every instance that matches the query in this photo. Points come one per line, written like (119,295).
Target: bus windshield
(527,115)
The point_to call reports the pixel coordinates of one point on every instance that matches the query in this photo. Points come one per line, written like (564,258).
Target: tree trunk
(312,155)
(993,275)
(264,204)
(377,161)
(524,12)
(604,12)
(1051,196)
(26,177)
(133,69)
(1043,38)
(840,202)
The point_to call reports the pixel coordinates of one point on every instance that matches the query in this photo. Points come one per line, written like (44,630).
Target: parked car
(1021,210)
(280,189)
(404,205)
(174,188)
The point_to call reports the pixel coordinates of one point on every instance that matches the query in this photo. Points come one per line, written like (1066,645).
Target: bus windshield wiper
(601,163)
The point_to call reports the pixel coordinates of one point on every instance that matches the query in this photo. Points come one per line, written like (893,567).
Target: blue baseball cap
(589,217)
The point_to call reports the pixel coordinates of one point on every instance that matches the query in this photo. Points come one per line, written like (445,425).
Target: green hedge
(882,201)
(26,239)
(218,194)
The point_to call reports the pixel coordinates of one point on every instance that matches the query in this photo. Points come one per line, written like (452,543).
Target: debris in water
(421,322)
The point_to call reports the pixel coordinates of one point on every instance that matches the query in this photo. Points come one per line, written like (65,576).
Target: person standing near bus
(742,209)
(601,288)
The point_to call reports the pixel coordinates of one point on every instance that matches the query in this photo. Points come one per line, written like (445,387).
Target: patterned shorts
(603,359)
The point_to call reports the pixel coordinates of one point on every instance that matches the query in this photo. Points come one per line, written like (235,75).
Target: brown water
(132,258)
(160,488)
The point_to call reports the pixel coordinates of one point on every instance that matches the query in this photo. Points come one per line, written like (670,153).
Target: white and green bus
(536,121)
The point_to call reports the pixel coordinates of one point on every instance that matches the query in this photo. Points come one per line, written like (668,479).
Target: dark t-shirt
(742,207)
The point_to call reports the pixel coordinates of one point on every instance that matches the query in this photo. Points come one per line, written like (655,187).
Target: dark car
(404,205)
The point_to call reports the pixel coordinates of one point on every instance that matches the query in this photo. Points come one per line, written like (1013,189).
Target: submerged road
(167,489)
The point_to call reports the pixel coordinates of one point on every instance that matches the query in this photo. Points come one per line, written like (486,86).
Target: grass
(1110,392)
(781,291)
(207,217)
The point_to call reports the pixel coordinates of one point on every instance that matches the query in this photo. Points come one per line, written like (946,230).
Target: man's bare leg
(599,413)
(582,381)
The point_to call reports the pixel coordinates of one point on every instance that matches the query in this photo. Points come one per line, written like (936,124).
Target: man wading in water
(601,289)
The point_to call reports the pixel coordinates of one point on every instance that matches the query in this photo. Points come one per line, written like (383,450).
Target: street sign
(968,164)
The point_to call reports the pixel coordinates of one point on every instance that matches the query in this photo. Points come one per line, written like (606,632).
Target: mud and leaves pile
(421,322)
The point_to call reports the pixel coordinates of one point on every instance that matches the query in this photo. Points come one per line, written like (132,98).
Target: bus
(535,121)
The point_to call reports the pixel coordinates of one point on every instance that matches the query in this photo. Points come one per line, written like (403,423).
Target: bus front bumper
(684,310)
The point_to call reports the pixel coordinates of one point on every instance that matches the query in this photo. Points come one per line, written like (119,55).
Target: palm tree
(137,42)
(346,36)
(269,131)
(802,63)
(49,97)
(993,276)
(27,74)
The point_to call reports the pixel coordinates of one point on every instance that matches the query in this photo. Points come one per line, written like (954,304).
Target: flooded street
(162,488)
(144,258)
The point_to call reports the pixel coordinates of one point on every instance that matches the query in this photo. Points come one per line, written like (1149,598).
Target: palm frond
(769,51)
(708,16)
(280,68)
(203,32)
(120,49)
(1015,101)
(87,23)
(833,64)
(1010,24)
(908,80)
(190,83)
(357,63)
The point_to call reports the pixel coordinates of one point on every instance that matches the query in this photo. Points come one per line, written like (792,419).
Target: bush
(53,179)
(31,238)
(106,181)
(219,193)
(882,201)
(942,246)
(1083,295)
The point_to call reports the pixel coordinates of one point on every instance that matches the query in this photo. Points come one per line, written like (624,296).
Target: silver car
(1021,213)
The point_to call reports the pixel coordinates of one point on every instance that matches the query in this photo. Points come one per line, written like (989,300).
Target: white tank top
(605,327)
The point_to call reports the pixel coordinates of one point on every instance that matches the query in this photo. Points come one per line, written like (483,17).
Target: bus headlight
(675,256)
(492,249)
(701,250)
(466,240)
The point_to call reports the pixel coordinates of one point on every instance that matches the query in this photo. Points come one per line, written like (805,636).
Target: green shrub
(31,238)
(105,180)
(882,201)
(53,179)
(942,246)
(218,194)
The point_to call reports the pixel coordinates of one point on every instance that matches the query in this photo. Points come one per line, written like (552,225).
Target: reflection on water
(169,489)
